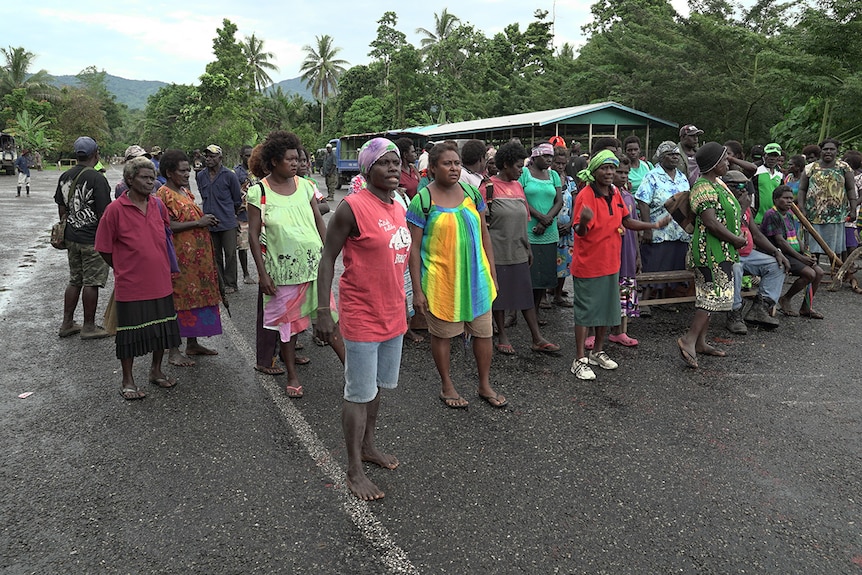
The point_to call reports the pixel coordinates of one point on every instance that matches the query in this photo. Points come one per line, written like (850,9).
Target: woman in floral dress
(196,292)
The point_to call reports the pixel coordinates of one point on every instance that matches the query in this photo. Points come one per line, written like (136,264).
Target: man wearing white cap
(222,197)
(688,144)
(133,151)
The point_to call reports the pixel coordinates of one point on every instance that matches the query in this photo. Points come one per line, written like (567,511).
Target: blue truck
(347,150)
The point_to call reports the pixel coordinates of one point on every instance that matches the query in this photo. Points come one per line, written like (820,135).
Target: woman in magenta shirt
(132,238)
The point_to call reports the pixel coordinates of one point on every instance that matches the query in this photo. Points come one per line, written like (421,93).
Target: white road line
(393,557)
(822,402)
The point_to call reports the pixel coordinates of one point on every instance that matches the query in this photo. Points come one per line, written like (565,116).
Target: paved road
(750,465)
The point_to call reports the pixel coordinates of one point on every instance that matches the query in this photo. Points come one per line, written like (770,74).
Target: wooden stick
(835,261)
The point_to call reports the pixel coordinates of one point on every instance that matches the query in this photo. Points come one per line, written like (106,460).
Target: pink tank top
(371,292)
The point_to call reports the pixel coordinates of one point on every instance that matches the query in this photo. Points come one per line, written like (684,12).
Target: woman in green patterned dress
(717,237)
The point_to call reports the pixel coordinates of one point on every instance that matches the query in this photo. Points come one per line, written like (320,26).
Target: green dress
(710,258)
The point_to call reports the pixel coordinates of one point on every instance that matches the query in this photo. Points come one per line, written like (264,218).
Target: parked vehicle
(8,154)
(347,150)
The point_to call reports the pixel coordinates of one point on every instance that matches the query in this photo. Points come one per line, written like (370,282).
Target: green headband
(597,161)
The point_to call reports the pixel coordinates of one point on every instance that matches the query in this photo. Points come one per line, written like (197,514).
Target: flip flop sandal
(293,392)
(269,370)
(546,347)
(164,382)
(138,393)
(690,360)
(505,348)
(811,314)
(454,402)
(494,400)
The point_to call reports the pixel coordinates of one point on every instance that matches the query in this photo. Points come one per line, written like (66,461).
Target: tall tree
(258,61)
(388,42)
(15,74)
(445,24)
(321,70)
(230,61)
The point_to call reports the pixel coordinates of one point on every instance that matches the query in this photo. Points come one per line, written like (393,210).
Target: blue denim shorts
(369,365)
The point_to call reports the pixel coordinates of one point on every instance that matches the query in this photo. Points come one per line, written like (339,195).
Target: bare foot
(362,487)
(707,349)
(198,349)
(413,336)
(178,359)
(784,307)
(377,457)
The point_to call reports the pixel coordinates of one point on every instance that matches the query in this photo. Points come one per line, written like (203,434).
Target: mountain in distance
(134,93)
(295,86)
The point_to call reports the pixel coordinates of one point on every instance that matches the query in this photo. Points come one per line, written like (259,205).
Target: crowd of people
(464,236)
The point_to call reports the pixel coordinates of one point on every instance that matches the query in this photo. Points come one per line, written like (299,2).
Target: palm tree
(258,61)
(444,24)
(321,70)
(15,73)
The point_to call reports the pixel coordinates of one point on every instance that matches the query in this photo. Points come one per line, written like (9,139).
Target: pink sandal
(623,339)
(590,342)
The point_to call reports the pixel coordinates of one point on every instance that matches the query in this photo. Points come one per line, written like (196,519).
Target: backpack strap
(73,187)
(470,191)
(262,202)
(425,201)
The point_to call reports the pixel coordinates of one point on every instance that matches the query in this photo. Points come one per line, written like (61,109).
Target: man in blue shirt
(23,165)
(220,191)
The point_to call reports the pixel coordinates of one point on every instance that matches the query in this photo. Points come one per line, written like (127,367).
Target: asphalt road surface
(751,464)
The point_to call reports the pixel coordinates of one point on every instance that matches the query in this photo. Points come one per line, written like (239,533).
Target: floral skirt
(292,308)
(714,287)
(200,322)
(629,304)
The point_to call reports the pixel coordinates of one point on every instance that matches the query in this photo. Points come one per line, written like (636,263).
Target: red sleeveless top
(371,291)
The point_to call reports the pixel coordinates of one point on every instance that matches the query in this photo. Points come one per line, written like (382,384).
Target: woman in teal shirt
(544,196)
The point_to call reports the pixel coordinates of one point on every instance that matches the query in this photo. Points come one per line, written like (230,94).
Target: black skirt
(146,326)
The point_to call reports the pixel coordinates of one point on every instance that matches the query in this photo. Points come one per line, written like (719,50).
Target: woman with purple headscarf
(370,228)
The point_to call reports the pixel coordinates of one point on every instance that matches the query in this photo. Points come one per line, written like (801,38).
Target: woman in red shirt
(409,179)
(602,216)
(132,238)
(370,228)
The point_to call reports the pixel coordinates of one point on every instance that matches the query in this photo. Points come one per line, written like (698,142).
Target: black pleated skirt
(146,326)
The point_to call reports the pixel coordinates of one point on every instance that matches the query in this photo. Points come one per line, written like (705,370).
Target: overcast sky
(172,41)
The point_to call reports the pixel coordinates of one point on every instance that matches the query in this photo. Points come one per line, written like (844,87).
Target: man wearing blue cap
(82,195)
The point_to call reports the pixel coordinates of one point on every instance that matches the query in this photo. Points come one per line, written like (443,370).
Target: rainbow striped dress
(456,275)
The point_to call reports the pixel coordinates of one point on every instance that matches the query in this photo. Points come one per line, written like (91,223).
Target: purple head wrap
(372,151)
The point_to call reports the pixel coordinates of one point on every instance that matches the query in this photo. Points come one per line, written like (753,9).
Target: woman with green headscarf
(602,217)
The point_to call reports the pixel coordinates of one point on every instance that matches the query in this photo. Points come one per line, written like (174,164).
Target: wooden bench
(675,276)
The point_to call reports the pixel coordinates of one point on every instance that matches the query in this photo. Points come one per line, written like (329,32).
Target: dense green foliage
(790,72)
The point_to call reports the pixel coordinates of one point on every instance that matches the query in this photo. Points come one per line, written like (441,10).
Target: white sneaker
(602,360)
(582,370)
